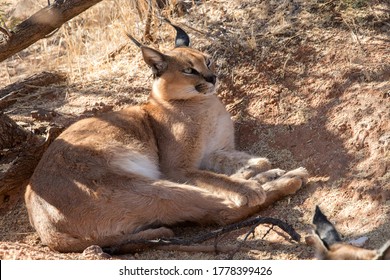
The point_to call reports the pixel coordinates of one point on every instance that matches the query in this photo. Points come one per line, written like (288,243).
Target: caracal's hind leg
(138,208)
(155,205)
(173,203)
(189,203)
(152,233)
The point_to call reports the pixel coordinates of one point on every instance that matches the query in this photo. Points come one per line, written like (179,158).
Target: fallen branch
(24,158)
(11,134)
(41,24)
(10,93)
(138,245)
(118,50)
(33,82)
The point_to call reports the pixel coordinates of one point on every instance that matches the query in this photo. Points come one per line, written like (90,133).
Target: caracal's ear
(155,59)
(325,229)
(182,39)
(384,252)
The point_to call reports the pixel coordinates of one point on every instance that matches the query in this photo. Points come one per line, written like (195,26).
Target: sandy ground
(307,83)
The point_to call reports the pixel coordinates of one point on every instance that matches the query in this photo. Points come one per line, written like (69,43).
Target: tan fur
(344,251)
(128,174)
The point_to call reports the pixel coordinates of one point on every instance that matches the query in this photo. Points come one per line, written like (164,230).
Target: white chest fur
(133,162)
(220,135)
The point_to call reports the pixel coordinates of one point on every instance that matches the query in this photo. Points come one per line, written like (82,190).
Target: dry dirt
(307,83)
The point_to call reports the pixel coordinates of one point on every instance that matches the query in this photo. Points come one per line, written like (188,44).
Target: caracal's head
(182,73)
(329,246)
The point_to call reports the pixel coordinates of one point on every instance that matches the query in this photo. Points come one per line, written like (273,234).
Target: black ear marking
(138,44)
(325,229)
(182,38)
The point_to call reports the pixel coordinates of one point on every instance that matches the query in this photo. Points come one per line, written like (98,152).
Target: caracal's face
(188,74)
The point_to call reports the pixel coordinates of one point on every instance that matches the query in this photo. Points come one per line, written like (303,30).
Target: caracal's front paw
(269,175)
(252,167)
(250,194)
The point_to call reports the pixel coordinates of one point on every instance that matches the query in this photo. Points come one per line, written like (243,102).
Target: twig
(114,53)
(239,247)
(139,245)
(285,65)
(354,33)
(268,231)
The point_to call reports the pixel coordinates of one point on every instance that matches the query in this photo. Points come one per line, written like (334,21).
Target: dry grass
(81,47)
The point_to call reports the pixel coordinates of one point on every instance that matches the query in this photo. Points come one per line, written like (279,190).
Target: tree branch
(139,245)
(42,23)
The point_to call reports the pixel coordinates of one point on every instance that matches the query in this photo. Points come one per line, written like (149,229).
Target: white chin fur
(212,89)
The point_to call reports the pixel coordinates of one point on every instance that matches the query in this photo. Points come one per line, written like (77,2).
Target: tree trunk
(11,135)
(20,152)
(41,24)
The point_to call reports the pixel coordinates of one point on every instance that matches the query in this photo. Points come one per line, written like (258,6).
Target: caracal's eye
(190,71)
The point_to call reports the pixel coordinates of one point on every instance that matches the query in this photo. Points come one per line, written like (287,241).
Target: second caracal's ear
(155,59)
(325,229)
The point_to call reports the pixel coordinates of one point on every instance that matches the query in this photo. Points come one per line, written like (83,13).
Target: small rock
(95,252)
(43,114)
(360,242)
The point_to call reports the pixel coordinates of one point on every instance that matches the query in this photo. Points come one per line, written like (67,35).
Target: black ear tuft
(182,38)
(138,44)
(325,229)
